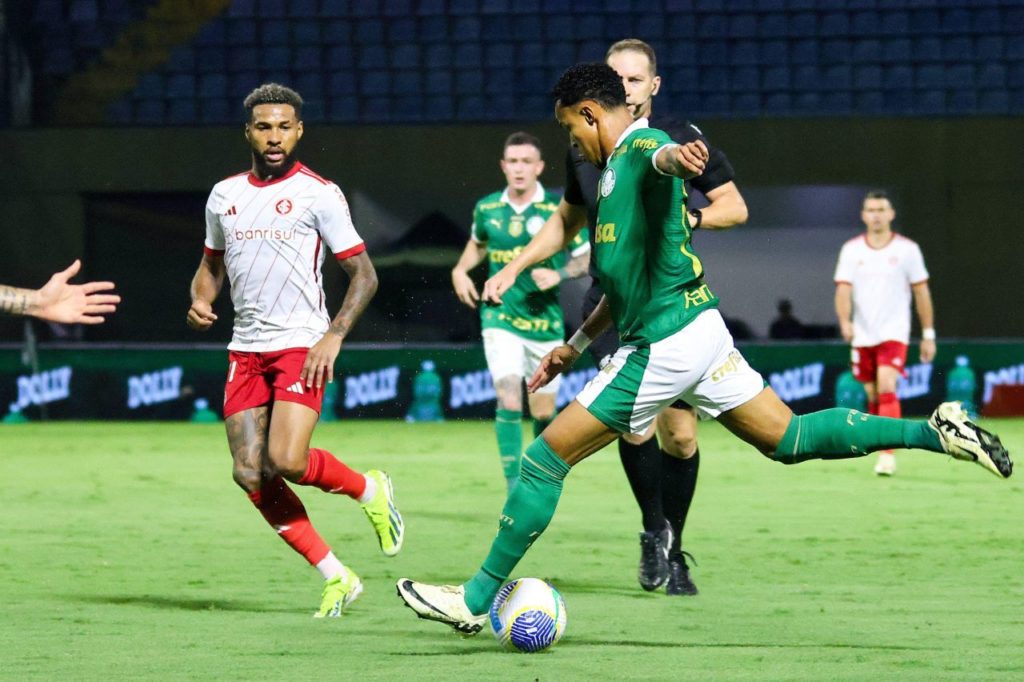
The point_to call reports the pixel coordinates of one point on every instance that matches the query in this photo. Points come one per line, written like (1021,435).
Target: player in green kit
(527,325)
(674,346)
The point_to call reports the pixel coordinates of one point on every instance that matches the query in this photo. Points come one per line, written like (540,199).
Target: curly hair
(273,93)
(593,80)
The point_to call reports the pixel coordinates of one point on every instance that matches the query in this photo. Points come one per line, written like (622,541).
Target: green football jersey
(645,262)
(524,310)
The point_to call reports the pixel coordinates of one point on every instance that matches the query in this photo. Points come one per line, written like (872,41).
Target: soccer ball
(528,615)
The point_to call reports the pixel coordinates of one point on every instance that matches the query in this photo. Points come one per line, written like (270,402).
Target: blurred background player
(529,322)
(663,479)
(876,274)
(267,229)
(61,302)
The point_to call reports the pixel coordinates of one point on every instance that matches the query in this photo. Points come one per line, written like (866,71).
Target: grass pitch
(128,553)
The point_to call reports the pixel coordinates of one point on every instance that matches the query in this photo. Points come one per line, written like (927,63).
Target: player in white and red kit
(269,230)
(875,277)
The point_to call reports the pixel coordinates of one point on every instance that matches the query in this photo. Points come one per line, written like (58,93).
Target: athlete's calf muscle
(247,440)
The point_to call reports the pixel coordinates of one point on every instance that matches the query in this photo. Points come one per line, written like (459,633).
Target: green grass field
(128,553)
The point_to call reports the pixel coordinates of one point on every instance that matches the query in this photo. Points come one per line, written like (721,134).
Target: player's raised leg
(291,428)
(769,425)
(572,436)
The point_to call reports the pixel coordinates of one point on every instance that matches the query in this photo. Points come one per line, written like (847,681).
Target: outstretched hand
(59,301)
(554,363)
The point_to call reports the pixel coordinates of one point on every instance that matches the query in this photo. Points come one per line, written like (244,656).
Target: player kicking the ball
(674,346)
(267,230)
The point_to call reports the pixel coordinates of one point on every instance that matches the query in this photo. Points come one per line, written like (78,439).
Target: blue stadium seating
(477,60)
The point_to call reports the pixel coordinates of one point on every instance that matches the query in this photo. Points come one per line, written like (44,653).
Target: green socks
(540,424)
(841,433)
(508,427)
(527,512)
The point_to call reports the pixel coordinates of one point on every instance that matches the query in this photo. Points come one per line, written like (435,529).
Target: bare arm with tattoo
(362,286)
(59,301)
(545,278)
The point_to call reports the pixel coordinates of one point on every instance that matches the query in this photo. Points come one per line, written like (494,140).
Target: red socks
(889,406)
(873,407)
(283,510)
(326,472)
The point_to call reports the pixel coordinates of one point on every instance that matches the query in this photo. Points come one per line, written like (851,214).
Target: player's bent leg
(508,425)
(572,436)
(542,410)
(291,428)
(247,440)
(887,404)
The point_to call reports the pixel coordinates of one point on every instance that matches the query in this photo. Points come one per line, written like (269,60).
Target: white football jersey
(881,280)
(273,236)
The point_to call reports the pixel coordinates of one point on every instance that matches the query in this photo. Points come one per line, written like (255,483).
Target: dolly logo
(284,207)
(607,182)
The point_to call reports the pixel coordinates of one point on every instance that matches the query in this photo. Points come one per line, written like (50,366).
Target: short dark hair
(635,45)
(877,194)
(593,80)
(521,137)
(273,93)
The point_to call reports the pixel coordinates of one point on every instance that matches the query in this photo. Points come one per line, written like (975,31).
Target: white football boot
(886,464)
(963,439)
(443,603)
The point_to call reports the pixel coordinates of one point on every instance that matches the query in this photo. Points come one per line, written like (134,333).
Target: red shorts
(257,379)
(865,360)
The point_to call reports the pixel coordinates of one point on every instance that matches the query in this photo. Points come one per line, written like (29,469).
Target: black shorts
(607,343)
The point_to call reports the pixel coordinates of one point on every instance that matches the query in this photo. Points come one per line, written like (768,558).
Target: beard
(264,169)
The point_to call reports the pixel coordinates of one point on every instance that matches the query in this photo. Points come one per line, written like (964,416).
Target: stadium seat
(339,57)
(241,32)
(310,84)
(986,21)
(407,83)
(897,78)
(929,76)
(242,8)
(896,50)
(773,26)
(927,50)
(401,30)
(181,111)
(462,7)
(837,103)
(808,103)
(305,32)
(212,85)
(396,8)
(466,29)
(963,102)
(343,109)
(923,22)
(930,102)
(893,23)
(994,102)
(746,104)
(213,33)
(1015,47)
(341,83)
(337,32)
(869,102)
(376,109)
(834,24)
(83,12)
(499,56)
(680,26)
(776,103)
(803,52)
(806,78)
(712,104)
(742,26)
(836,50)
(372,57)
(744,53)
(150,86)
(180,85)
(681,78)
(48,12)
(468,55)
(713,26)
(960,76)
(957,49)
(470,108)
(714,79)
(682,54)
(407,109)
(776,78)
(437,56)
(803,24)
(439,108)
(559,28)
(866,51)
(865,23)
(559,56)
(530,81)
(273,33)
(837,77)
(494,6)
(302,9)
(242,83)
(534,106)
(313,109)
(431,7)
(955,21)
(405,56)
(1015,76)
(744,79)
(149,112)
(182,60)
(439,83)
(469,81)
(773,52)
(496,28)
(376,83)
(275,58)
(989,48)
(120,111)
(527,27)
(368,32)
(591,51)
(592,27)
(211,59)
(712,52)
(307,58)
(867,77)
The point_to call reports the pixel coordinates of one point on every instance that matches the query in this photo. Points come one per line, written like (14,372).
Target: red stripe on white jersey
(213,253)
(354,251)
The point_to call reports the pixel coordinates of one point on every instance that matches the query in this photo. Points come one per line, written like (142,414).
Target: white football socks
(371,490)
(330,567)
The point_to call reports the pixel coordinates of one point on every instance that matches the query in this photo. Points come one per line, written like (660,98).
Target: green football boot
(339,592)
(384,515)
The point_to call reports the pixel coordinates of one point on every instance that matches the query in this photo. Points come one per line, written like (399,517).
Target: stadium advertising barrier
(423,383)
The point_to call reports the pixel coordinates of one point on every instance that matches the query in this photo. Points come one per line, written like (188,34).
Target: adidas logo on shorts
(296,388)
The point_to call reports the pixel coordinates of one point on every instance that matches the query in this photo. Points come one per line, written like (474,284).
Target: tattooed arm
(59,301)
(362,286)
